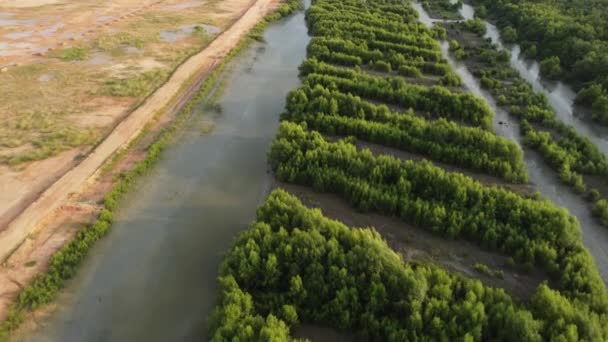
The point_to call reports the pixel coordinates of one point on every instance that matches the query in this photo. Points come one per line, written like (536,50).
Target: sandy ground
(50,95)
(30,28)
(27,3)
(52,219)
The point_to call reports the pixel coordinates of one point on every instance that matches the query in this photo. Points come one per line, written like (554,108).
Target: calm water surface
(154,277)
(544,178)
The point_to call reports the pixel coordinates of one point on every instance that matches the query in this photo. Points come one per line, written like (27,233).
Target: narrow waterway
(154,277)
(541,176)
(561,96)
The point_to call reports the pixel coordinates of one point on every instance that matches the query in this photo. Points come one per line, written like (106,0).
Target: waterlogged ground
(154,277)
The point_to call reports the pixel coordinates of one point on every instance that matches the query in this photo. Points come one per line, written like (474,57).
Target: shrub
(382,66)
(75,53)
(409,71)
(551,67)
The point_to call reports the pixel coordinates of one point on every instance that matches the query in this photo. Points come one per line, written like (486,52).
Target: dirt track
(168,96)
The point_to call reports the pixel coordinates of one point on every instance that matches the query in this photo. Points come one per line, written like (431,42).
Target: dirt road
(29,221)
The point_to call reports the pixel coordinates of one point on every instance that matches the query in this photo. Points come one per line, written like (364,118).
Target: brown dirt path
(29,221)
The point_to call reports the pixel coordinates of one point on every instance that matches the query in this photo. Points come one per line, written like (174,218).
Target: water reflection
(154,277)
(561,96)
(541,176)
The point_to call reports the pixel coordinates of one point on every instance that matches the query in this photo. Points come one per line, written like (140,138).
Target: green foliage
(550,67)
(457,50)
(75,53)
(534,232)
(587,96)
(484,269)
(350,279)
(530,51)
(64,263)
(438,100)
(569,153)
(382,56)
(599,109)
(597,98)
(439,33)
(571,32)
(137,85)
(509,34)
(417,196)
(451,79)
(481,11)
(600,210)
(409,71)
(382,66)
(333,112)
(295,265)
(444,9)
(594,195)
(477,26)
(454,45)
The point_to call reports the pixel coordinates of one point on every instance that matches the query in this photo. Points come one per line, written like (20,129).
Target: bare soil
(53,111)
(53,218)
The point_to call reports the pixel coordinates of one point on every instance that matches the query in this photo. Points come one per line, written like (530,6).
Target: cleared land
(72,70)
(50,214)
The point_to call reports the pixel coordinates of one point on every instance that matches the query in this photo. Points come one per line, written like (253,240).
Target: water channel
(541,175)
(561,96)
(154,277)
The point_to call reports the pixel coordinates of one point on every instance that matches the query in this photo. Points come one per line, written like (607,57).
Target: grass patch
(136,85)
(38,136)
(75,53)
(485,269)
(39,115)
(66,95)
(115,43)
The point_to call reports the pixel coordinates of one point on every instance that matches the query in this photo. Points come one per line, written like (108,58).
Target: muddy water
(154,277)
(541,176)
